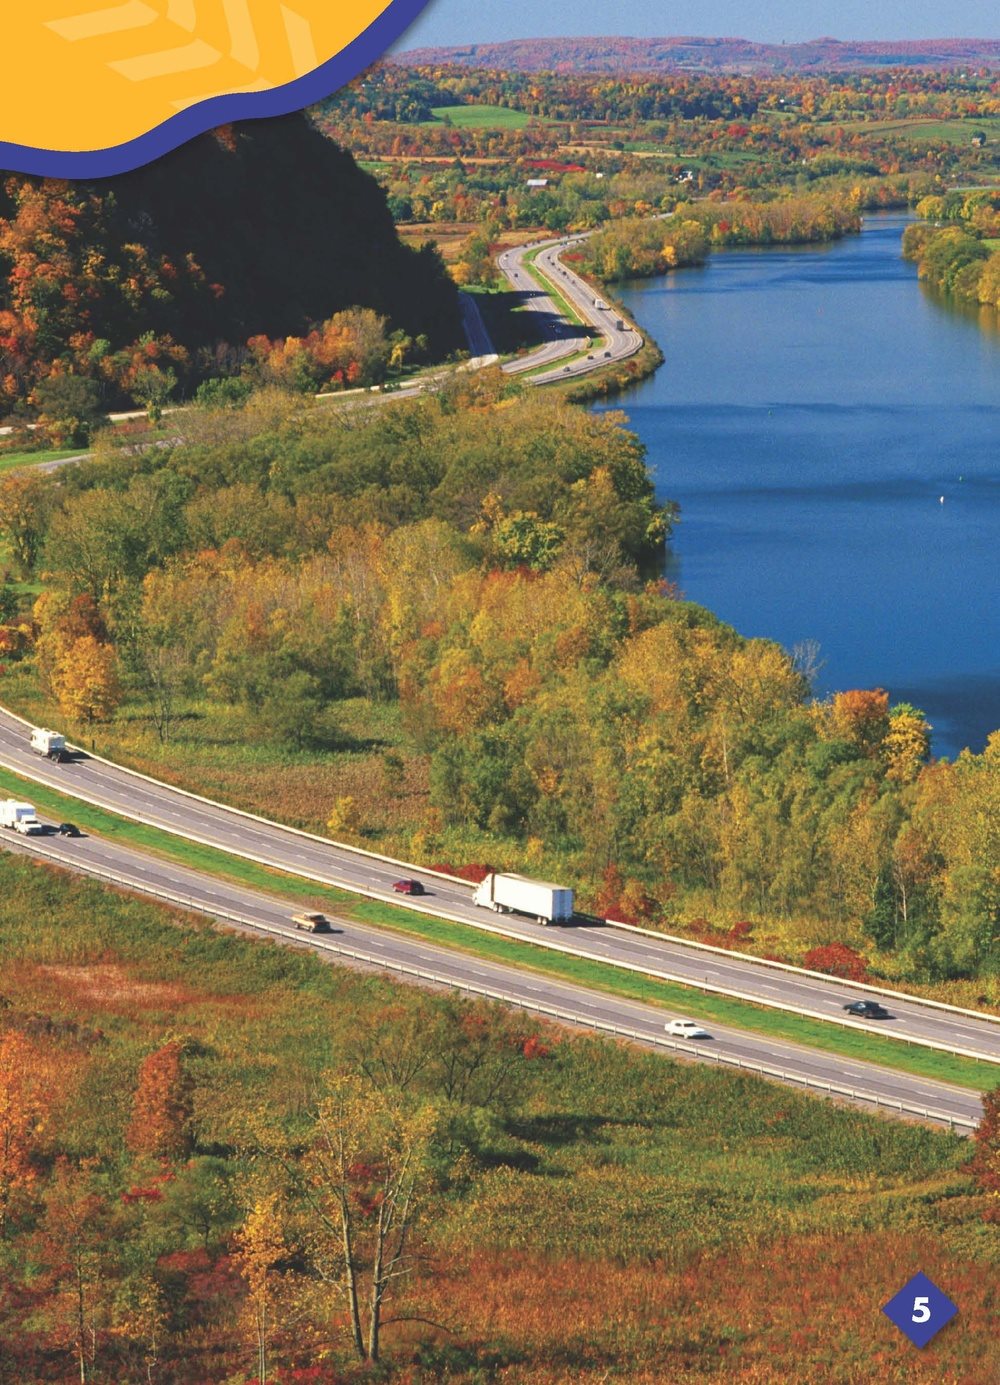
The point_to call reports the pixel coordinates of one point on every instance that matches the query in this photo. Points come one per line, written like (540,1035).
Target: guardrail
(226,808)
(803,971)
(549,1011)
(547,943)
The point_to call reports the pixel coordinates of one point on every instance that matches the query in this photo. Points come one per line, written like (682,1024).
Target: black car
(69,829)
(867,1010)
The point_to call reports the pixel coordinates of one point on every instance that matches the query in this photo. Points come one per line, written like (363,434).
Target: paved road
(614,342)
(579,1005)
(481,352)
(560,339)
(121,791)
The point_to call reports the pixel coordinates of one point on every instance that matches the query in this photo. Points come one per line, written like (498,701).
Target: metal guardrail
(734,954)
(659,973)
(484,925)
(857,1094)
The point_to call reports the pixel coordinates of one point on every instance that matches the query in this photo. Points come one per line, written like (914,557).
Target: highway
(564,339)
(313,858)
(566,348)
(357,944)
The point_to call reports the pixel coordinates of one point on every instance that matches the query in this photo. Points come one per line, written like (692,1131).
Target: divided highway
(615,343)
(357,944)
(134,796)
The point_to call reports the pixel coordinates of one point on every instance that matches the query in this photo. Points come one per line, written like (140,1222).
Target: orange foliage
(861,716)
(758,1314)
(161,1110)
(23,1099)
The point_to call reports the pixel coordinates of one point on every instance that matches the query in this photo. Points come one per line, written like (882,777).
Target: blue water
(814,407)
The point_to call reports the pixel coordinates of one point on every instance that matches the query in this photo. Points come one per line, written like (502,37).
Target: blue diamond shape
(920,1310)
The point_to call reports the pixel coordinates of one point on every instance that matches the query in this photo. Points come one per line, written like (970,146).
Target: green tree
(69,408)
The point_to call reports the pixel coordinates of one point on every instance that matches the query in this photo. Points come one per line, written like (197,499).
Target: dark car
(408,887)
(867,1010)
(69,829)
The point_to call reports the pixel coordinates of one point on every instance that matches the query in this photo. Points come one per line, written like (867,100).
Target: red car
(408,887)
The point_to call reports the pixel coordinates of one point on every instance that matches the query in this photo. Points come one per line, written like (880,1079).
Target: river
(830,431)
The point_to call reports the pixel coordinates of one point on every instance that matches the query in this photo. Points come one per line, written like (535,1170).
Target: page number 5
(921,1311)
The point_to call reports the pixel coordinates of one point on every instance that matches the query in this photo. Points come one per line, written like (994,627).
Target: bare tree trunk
(374,1321)
(351,1279)
(81,1327)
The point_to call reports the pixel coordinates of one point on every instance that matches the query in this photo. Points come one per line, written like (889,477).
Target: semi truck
(45,742)
(516,894)
(20,816)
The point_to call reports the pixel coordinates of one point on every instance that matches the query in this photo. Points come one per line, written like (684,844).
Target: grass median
(551,288)
(596,975)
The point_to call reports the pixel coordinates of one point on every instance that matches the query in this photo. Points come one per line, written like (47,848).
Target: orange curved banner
(98,87)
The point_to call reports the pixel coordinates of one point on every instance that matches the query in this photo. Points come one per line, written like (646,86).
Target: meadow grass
(480,117)
(11,461)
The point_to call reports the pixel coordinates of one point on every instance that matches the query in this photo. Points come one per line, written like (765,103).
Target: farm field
(921,130)
(481,117)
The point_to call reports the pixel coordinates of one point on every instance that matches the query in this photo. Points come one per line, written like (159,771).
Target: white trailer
(46,742)
(20,816)
(519,895)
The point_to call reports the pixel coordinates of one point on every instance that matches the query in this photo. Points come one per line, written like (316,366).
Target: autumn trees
(124,293)
(487,562)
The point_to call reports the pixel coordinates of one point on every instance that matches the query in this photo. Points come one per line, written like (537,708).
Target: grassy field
(920,130)
(480,117)
(814,1033)
(620,1218)
(11,461)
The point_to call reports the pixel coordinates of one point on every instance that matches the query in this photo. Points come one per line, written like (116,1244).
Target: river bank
(828,429)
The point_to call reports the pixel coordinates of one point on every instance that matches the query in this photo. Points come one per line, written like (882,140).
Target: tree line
(486,561)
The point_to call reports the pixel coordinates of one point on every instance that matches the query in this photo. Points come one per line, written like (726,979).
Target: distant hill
(706,55)
(263,228)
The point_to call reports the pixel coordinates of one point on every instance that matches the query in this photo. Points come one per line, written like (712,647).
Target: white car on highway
(686,1029)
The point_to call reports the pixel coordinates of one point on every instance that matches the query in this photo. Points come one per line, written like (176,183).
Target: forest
(710,133)
(478,572)
(136,288)
(956,245)
(191,1123)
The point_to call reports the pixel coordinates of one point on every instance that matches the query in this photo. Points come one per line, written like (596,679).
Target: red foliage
(985,1162)
(532,1047)
(837,959)
(624,901)
(740,930)
(474,873)
(142,1195)
(554,166)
